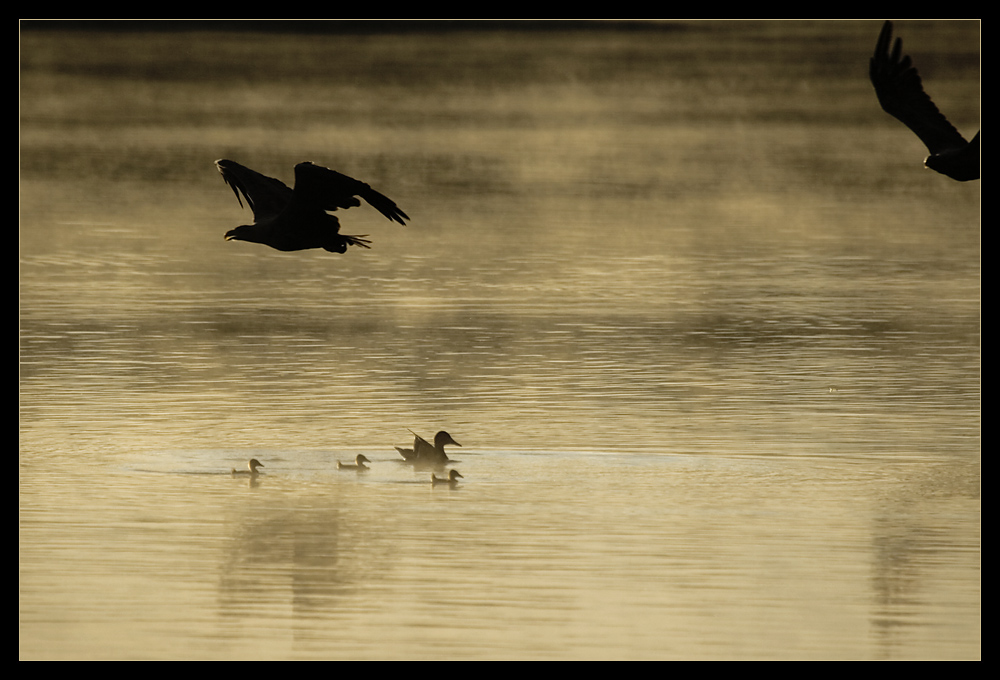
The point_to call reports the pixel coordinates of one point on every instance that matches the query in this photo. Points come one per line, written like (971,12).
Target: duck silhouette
(251,468)
(298,219)
(901,94)
(452,479)
(423,452)
(358,464)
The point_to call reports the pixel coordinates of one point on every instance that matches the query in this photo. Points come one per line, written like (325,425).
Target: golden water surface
(708,333)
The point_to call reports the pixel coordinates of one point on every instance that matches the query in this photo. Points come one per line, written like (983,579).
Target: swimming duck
(251,468)
(298,219)
(453,477)
(427,453)
(359,464)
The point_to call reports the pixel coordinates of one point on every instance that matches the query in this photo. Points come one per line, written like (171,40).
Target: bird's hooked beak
(236,234)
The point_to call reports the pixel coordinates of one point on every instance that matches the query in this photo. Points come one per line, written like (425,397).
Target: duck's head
(442,438)
(361,459)
(454,476)
(254,464)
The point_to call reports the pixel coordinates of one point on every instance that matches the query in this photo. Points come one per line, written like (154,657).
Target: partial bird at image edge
(901,94)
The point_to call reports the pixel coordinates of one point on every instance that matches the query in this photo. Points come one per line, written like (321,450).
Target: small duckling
(252,468)
(453,477)
(359,464)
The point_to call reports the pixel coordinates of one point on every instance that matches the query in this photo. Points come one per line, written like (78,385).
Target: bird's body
(251,468)
(298,219)
(425,453)
(359,463)
(452,479)
(901,94)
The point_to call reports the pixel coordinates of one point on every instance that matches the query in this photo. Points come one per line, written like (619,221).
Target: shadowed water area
(707,331)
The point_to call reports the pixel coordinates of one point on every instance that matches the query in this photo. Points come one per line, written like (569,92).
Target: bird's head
(238,234)
(442,438)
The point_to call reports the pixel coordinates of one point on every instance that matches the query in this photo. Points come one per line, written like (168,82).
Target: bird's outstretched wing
(330,190)
(901,94)
(266,196)
(419,442)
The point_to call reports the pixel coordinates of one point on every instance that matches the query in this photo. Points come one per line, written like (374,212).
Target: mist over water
(707,331)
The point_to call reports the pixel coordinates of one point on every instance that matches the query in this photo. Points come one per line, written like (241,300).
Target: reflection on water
(707,332)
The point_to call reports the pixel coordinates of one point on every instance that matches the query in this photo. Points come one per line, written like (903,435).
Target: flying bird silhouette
(298,219)
(901,94)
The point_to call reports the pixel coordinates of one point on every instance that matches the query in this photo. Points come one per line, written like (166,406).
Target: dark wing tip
(262,194)
(225,167)
(901,94)
(331,190)
(384,205)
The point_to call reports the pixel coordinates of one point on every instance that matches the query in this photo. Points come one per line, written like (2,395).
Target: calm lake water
(707,331)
